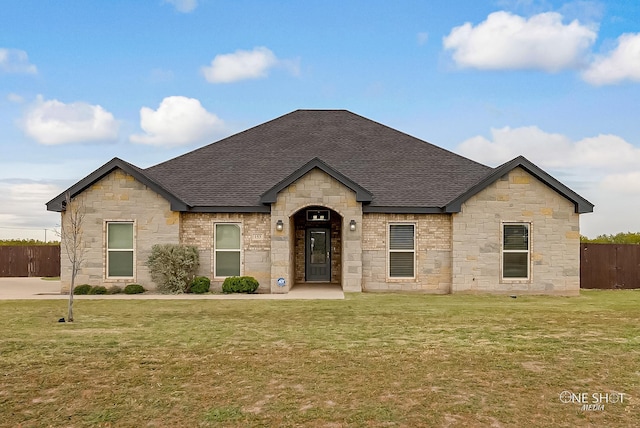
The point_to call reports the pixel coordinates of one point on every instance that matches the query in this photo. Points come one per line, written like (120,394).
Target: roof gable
(362,194)
(56,204)
(581,205)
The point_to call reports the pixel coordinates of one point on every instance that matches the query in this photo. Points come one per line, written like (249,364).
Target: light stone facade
(554,238)
(316,188)
(119,197)
(458,252)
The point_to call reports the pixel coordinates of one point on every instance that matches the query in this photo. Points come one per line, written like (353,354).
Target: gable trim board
(369,175)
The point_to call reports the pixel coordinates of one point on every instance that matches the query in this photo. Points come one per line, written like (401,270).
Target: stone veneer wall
(316,188)
(119,196)
(433,253)
(197,229)
(554,238)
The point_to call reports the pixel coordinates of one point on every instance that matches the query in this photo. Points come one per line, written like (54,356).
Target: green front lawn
(370,360)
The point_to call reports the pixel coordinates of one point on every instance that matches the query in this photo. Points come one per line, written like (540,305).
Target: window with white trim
(515,251)
(120,249)
(227,249)
(401,250)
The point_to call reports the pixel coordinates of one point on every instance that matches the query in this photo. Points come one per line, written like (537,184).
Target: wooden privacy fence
(40,260)
(609,266)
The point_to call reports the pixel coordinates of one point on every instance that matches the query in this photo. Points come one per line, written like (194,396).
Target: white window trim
(503,251)
(414,251)
(213,253)
(106,251)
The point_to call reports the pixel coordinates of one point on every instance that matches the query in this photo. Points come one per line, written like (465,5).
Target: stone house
(327,196)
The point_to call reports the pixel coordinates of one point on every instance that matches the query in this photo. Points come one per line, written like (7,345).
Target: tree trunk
(73,283)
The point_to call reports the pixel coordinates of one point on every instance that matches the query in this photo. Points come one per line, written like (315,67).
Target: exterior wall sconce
(279,226)
(352,225)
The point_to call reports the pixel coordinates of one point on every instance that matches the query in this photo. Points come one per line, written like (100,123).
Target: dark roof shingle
(398,169)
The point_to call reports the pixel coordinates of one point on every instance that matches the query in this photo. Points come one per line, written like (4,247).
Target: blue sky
(84,81)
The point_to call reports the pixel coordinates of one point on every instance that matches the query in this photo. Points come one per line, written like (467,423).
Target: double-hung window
(402,250)
(120,249)
(227,249)
(515,250)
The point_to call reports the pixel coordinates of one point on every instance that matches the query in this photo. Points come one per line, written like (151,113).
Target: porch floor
(316,290)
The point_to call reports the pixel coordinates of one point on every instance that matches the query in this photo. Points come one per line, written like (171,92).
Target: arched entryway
(317,246)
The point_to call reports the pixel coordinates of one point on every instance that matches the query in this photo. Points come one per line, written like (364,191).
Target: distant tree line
(25,242)
(619,238)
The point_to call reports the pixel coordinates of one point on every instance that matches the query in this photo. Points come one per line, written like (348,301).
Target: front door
(318,254)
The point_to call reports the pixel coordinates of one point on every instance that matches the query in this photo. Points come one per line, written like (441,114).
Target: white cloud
(628,183)
(240,65)
(23,213)
(184,6)
(177,121)
(603,169)
(507,41)
(53,122)
(16,61)
(33,192)
(604,152)
(623,63)
(507,143)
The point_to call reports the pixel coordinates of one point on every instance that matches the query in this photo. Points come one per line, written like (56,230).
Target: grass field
(371,360)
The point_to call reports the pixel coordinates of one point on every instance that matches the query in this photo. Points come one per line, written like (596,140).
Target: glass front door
(318,254)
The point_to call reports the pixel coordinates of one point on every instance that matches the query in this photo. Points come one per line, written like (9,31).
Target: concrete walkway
(37,288)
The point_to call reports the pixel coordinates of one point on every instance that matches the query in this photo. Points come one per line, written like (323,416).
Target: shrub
(114,289)
(200,285)
(133,289)
(82,289)
(173,267)
(98,289)
(240,284)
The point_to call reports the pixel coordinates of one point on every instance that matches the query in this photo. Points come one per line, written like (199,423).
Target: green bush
(82,289)
(114,289)
(98,289)
(619,238)
(134,289)
(173,267)
(240,284)
(200,285)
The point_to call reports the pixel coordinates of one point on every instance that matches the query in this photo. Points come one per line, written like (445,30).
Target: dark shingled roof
(398,169)
(390,171)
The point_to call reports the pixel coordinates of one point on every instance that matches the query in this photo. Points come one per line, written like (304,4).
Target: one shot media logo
(594,401)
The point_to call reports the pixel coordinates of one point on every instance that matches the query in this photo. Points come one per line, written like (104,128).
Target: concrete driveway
(37,288)
(29,288)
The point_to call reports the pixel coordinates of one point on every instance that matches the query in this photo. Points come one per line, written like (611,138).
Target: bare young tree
(71,236)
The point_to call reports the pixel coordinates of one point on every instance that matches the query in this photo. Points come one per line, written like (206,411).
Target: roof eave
(228,209)
(402,210)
